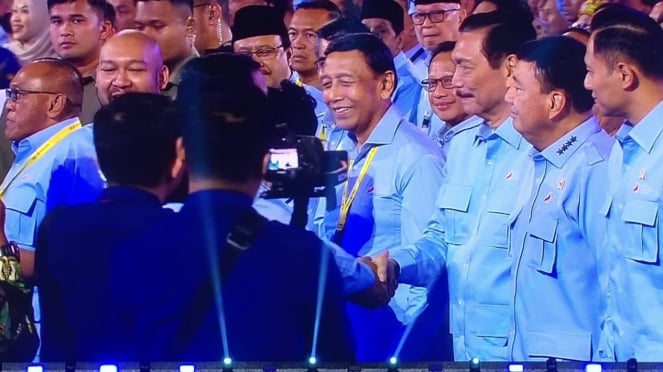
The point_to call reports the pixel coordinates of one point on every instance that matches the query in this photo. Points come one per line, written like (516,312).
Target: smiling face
(356,96)
(444,102)
(129,63)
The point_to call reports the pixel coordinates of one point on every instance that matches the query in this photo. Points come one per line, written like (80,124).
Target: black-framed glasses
(436,16)
(432,84)
(262,53)
(14,95)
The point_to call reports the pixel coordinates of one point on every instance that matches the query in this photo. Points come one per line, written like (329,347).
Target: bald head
(130,61)
(45,92)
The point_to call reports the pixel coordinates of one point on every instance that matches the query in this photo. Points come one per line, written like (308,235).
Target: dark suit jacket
(264,309)
(72,265)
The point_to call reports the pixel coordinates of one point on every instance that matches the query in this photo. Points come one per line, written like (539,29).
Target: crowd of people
(501,199)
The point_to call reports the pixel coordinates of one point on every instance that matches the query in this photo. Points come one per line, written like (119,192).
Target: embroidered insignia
(567,145)
(509,175)
(547,198)
(636,188)
(561,183)
(643,174)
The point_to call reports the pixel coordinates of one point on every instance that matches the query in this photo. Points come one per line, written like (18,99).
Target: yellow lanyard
(347,201)
(40,152)
(299,83)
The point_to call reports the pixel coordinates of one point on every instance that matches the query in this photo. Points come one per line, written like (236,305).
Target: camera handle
(299,212)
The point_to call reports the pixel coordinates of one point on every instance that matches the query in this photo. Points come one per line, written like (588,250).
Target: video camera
(300,167)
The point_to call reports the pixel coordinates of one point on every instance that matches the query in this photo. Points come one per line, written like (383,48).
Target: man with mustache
(259,32)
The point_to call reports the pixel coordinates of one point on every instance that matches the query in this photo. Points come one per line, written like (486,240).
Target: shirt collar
(466,124)
(128,194)
(385,130)
(648,130)
(562,149)
(400,60)
(31,143)
(174,78)
(506,132)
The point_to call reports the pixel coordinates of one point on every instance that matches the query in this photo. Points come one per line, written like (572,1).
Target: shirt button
(466,266)
(620,206)
(461,302)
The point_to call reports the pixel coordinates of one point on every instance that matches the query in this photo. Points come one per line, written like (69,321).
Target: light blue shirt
(408,90)
(320,105)
(633,324)
(445,134)
(67,174)
(426,120)
(469,233)
(419,58)
(393,202)
(555,243)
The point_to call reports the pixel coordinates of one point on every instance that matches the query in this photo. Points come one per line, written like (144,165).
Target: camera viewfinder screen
(283,159)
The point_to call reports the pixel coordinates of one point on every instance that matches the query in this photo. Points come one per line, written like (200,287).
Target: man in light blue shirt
(558,233)
(55,160)
(395,174)
(625,73)
(468,232)
(384,18)
(442,96)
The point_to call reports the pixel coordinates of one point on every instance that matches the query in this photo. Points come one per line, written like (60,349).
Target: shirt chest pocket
(541,244)
(23,214)
(641,232)
(494,226)
(455,201)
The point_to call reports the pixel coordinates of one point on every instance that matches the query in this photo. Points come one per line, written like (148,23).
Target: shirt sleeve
(355,274)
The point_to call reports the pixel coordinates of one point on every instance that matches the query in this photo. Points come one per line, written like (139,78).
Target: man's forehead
(75,7)
(443,61)
(436,6)
(314,18)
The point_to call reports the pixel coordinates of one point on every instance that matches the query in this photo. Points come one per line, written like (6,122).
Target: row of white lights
(591,367)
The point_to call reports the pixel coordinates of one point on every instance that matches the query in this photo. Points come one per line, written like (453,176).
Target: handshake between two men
(386,280)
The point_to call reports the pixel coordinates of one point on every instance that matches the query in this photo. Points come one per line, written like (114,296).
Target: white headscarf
(39,44)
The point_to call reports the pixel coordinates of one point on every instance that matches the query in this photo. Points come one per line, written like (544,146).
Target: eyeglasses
(262,53)
(431,84)
(436,16)
(14,95)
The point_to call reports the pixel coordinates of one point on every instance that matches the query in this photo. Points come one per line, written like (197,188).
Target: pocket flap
(492,320)
(640,211)
(543,227)
(455,197)
(502,201)
(20,199)
(569,346)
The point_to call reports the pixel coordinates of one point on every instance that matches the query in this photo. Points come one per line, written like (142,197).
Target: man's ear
(107,30)
(179,164)
(57,104)
(164,75)
(387,85)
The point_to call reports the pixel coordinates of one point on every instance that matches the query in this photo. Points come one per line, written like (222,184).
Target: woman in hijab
(29,22)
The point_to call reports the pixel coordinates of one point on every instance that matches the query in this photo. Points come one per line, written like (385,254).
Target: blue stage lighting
(107,368)
(475,364)
(227,361)
(393,360)
(35,369)
(187,368)
(312,360)
(593,367)
(516,368)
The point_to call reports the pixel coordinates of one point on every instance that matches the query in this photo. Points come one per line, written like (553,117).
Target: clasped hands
(386,272)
